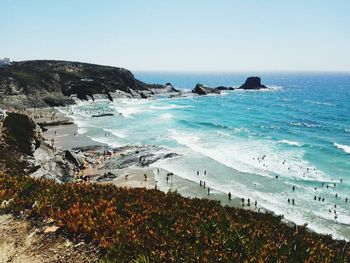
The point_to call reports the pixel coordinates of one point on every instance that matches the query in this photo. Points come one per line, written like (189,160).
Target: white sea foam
(319,103)
(128,112)
(274,88)
(345,148)
(242,155)
(240,130)
(117,132)
(106,140)
(169,107)
(166,116)
(305,124)
(269,89)
(292,143)
(129,107)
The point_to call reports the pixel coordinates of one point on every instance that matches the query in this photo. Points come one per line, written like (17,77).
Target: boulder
(168,88)
(253,83)
(224,88)
(102,115)
(73,158)
(200,89)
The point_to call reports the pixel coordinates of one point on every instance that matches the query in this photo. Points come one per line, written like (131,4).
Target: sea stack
(253,83)
(200,89)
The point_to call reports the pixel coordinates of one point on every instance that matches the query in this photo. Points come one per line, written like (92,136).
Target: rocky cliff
(41,83)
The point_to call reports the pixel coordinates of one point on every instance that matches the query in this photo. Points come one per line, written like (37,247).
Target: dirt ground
(22,242)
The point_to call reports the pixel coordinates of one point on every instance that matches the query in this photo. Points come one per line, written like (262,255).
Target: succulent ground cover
(140,224)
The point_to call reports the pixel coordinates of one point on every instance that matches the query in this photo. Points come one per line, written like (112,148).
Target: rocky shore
(43,83)
(58,152)
(51,83)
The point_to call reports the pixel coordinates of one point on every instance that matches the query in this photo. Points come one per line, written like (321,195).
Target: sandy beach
(67,137)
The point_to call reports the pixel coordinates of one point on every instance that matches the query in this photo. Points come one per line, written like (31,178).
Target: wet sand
(67,137)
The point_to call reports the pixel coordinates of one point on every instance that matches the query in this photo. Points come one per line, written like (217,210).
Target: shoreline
(135,179)
(67,137)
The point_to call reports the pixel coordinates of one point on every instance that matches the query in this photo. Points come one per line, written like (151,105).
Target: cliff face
(21,133)
(41,83)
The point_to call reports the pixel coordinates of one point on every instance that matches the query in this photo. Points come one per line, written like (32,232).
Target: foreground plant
(152,226)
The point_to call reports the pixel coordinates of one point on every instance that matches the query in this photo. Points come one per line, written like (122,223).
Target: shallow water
(299,131)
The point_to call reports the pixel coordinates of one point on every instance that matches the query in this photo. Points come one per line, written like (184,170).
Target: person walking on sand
(204,184)
(200,183)
(208,190)
(229,196)
(145,176)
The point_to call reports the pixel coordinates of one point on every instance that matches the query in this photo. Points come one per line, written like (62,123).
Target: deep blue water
(298,131)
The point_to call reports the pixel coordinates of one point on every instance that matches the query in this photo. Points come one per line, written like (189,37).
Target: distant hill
(40,83)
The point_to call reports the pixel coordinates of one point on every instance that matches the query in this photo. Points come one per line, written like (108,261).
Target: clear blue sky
(187,35)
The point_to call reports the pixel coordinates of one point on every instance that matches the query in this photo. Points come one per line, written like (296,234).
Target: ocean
(254,144)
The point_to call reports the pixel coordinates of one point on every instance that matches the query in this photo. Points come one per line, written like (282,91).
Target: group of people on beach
(290,200)
(305,172)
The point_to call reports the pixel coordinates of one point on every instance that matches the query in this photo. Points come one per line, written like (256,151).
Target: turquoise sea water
(298,131)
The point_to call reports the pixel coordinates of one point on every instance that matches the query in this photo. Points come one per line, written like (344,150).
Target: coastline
(134,186)
(65,139)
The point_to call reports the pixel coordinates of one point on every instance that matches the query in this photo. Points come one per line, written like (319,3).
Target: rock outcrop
(22,133)
(42,83)
(224,88)
(253,83)
(200,89)
(102,115)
